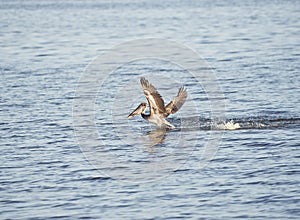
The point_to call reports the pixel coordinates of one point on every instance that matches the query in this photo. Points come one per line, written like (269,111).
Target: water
(141,172)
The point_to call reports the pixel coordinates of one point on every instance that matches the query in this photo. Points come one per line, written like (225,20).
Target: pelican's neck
(146,117)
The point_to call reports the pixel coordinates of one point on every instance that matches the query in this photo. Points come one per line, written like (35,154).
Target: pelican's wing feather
(155,100)
(177,102)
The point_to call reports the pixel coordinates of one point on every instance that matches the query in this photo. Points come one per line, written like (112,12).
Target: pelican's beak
(137,111)
(131,115)
(134,113)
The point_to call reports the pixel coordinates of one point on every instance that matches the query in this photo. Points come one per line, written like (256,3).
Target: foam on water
(230,125)
(263,122)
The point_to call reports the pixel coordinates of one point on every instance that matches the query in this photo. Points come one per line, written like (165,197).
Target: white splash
(230,125)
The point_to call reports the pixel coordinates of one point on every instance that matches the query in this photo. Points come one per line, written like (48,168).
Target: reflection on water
(157,136)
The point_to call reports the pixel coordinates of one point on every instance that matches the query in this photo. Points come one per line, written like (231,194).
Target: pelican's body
(158,111)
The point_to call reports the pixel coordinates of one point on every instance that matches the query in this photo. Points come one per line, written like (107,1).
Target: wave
(198,123)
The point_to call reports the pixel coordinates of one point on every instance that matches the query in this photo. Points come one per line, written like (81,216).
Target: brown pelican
(158,111)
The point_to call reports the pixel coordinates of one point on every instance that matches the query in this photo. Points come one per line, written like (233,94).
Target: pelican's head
(139,110)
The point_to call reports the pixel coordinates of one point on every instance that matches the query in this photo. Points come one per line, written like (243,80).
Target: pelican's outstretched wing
(155,100)
(177,102)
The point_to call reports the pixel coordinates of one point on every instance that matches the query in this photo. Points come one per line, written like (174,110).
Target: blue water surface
(253,48)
